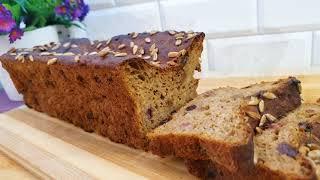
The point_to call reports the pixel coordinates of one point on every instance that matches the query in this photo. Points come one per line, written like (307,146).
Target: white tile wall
(316,49)
(214,17)
(261,55)
(288,15)
(243,37)
(106,23)
(100,4)
(127,2)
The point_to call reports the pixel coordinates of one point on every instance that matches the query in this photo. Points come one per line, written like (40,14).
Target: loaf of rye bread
(219,125)
(287,149)
(120,88)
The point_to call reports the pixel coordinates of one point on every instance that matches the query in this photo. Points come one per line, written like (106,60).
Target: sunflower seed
(182,52)
(120,54)
(99,45)
(141,50)
(86,53)
(263,120)
(146,57)
(66,45)
(13,54)
(271,117)
(155,56)
(74,46)
(104,51)
(108,42)
(52,61)
(134,49)
(12,50)
(131,44)
(171,32)
(77,58)
(253,115)
(153,32)
(269,95)
(45,54)
(152,47)
(93,53)
(155,63)
(253,101)
(178,42)
(190,36)
(173,54)
(121,46)
(31,58)
(68,54)
(147,40)
(261,106)
(190,32)
(134,35)
(172,63)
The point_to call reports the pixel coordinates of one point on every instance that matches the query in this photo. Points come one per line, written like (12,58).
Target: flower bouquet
(26,23)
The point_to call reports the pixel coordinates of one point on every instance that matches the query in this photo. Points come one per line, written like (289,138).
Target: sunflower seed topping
(147,40)
(173,54)
(131,44)
(120,54)
(99,45)
(66,45)
(134,35)
(171,32)
(52,61)
(121,46)
(68,53)
(253,101)
(31,58)
(77,58)
(269,95)
(153,32)
(146,57)
(74,46)
(178,42)
(261,106)
(134,49)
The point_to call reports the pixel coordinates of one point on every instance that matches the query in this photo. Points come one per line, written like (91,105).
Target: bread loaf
(120,88)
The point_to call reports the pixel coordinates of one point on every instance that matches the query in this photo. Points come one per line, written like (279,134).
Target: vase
(29,39)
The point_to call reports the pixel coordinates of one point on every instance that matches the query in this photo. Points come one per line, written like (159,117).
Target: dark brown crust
(233,156)
(163,40)
(205,169)
(92,94)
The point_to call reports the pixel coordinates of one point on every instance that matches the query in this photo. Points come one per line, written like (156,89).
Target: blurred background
(243,38)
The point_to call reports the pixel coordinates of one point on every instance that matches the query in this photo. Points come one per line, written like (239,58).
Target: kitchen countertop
(10,169)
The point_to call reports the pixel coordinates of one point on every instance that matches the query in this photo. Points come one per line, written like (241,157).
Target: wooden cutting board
(53,149)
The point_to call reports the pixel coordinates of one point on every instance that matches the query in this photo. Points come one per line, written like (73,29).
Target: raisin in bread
(286,149)
(219,124)
(121,88)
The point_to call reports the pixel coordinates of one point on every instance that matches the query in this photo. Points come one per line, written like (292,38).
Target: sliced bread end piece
(219,124)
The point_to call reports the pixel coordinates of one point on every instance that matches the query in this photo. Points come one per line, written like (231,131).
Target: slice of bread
(219,124)
(287,149)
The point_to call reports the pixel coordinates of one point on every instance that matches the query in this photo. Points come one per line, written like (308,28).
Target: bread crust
(233,156)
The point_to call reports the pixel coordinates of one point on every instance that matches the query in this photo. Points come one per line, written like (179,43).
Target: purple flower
(72,9)
(61,10)
(6,24)
(4,11)
(15,34)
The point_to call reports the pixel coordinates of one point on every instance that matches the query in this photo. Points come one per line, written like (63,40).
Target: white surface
(127,2)
(29,39)
(261,55)
(110,22)
(316,49)
(210,16)
(289,14)
(100,4)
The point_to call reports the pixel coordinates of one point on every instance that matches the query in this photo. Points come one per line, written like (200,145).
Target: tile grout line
(161,17)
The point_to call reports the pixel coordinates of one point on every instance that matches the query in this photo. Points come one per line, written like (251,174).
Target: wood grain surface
(47,148)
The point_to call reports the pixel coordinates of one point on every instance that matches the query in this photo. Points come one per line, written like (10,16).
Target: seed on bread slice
(289,149)
(219,124)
